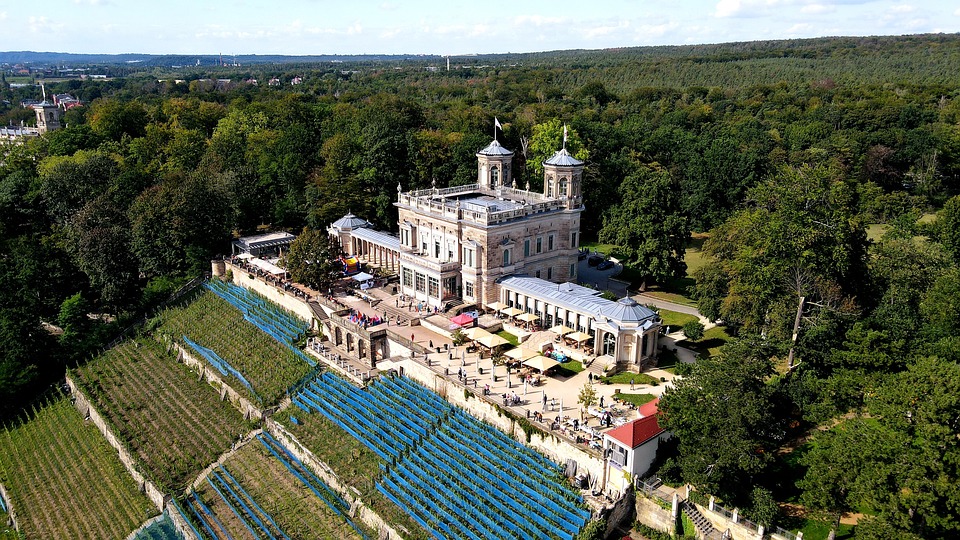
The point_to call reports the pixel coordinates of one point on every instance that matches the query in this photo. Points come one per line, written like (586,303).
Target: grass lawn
(710,343)
(624,378)
(509,337)
(569,368)
(675,319)
(636,399)
(819,530)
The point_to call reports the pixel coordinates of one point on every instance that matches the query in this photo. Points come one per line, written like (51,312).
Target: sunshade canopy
(561,329)
(579,336)
(491,341)
(542,363)
(528,317)
(520,354)
(477,333)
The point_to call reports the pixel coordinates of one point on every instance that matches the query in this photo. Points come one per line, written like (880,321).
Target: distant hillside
(914,59)
(166,60)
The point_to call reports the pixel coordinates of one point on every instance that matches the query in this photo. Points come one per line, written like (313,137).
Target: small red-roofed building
(632,447)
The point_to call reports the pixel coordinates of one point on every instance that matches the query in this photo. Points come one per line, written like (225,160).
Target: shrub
(693,330)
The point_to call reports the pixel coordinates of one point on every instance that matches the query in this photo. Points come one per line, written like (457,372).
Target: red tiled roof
(649,408)
(635,433)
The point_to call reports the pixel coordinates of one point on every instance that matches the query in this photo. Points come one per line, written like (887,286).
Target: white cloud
(902,8)
(42,24)
(605,29)
(744,8)
(539,20)
(3,15)
(816,9)
(799,29)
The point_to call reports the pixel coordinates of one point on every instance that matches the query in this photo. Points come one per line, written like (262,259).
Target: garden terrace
(264,491)
(173,423)
(426,442)
(236,346)
(65,481)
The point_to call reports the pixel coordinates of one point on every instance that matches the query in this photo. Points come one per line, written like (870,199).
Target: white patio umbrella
(561,329)
(497,306)
(527,317)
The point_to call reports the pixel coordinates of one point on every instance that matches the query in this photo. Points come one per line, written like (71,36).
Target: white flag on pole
(497,124)
(564,135)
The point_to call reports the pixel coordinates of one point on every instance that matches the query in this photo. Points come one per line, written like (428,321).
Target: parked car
(605,265)
(594,260)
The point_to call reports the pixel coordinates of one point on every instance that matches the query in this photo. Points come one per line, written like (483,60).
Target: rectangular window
(407,277)
(619,455)
(421,282)
(434,287)
(539,244)
(526,248)
(550,273)
(506,257)
(573,273)
(468,289)
(550,243)
(538,273)
(573,240)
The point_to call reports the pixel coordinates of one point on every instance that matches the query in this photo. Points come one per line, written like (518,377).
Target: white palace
(491,242)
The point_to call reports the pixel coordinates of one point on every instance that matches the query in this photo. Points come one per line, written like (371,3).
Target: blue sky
(443,27)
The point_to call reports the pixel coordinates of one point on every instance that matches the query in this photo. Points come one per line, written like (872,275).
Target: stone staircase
(596,368)
(703,525)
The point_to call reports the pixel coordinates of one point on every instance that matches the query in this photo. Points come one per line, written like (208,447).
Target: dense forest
(784,152)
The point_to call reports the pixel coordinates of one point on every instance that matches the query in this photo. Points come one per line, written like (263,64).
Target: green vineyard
(210,321)
(173,423)
(65,481)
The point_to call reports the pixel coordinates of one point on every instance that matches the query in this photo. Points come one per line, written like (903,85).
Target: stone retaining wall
(180,523)
(245,406)
(272,292)
(555,447)
(653,515)
(10,510)
(146,486)
(363,513)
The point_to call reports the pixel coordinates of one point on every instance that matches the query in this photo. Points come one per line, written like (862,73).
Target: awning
(528,317)
(511,311)
(268,267)
(542,363)
(362,276)
(244,256)
(579,336)
(497,306)
(561,329)
(492,341)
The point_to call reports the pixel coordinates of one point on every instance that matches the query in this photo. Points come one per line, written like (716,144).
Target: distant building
(262,244)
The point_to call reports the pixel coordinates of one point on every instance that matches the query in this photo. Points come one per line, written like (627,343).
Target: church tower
(48,114)
(562,177)
(493,166)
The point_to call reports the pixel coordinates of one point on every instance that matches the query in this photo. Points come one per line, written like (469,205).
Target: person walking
(544,401)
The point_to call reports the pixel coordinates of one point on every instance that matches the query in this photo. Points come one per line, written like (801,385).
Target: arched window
(549,186)
(609,344)
(563,187)
(506,257)
(494,176)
